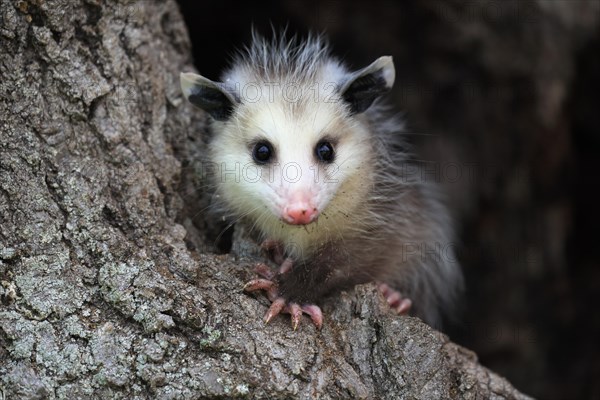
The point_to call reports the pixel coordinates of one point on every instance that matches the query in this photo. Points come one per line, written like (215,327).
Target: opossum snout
(300,213)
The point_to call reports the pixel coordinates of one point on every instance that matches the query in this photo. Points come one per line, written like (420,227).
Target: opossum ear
(212,97)
(362,87)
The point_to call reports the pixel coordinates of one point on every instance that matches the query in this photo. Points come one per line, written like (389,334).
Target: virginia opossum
(311,161)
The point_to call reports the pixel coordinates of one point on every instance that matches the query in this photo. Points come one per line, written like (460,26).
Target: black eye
(262,152)
(324,151)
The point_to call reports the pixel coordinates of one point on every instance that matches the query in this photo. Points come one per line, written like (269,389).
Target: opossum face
(284,162)
(294,165)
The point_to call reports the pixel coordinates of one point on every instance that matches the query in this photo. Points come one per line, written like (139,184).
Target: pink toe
(296,312)
(404,306)
(394,299)
(315,313)
(273,293)
(275,309)
(384,289)
(258,284)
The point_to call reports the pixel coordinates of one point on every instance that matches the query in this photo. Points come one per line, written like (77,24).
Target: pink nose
(300,214)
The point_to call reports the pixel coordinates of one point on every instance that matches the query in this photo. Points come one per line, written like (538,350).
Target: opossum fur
(376,219)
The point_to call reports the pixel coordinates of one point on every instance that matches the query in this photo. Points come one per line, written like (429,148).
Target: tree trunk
(108,289)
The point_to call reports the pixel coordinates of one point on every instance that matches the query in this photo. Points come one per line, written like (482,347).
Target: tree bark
(108,288)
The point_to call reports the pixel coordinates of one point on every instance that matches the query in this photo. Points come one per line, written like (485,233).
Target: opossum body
(308,159)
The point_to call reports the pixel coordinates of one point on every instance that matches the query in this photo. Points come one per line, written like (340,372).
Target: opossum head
(291,145)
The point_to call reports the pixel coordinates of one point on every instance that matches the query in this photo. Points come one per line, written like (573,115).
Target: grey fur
(273,59)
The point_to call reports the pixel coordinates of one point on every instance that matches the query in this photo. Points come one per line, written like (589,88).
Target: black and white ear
(212,97)
(362,87)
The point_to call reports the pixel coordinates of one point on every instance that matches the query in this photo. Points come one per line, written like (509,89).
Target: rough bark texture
(107,289)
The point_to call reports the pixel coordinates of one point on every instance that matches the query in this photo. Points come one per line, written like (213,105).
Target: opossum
(312,162)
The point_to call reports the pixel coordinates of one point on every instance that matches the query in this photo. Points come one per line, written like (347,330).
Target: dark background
(502,103)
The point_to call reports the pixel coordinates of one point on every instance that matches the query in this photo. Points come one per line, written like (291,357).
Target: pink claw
(275,309)
(296,312)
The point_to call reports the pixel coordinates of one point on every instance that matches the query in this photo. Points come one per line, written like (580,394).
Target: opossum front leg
(397,302)
(279,304)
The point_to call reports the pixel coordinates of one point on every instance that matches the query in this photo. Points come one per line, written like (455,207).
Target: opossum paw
(397,302)
(280,305)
